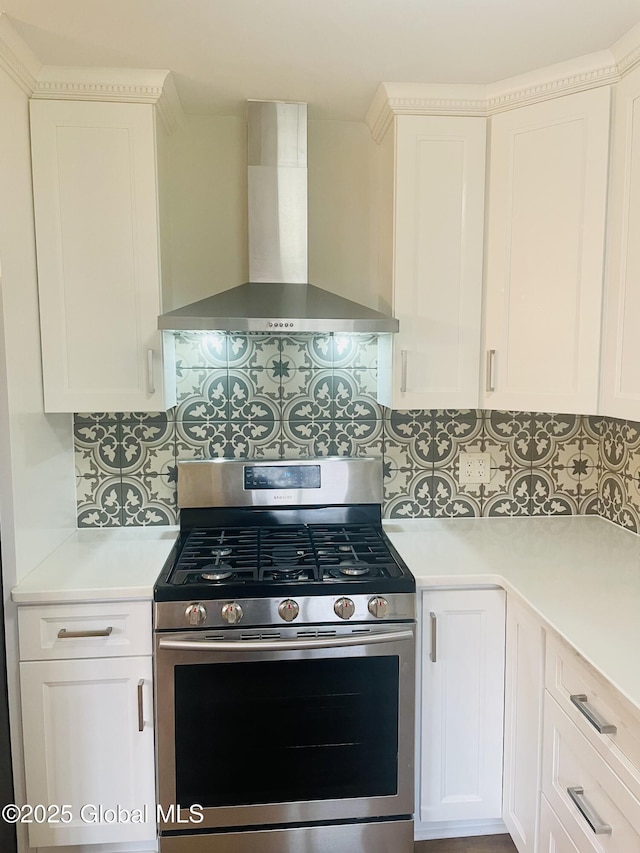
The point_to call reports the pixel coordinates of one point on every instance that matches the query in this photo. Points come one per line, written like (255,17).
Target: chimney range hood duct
(278,295)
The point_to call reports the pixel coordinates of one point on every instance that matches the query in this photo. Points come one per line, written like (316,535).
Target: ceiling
(331,53)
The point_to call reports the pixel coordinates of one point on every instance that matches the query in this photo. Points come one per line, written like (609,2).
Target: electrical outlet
(474,468)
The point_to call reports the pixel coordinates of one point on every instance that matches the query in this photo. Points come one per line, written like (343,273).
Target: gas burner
(286,555)
(353,568)
(221,572)
(286,573)
(220,552)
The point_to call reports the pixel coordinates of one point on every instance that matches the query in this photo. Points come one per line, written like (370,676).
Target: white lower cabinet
(462,697)
(89,742)
(524,686)
(553,836)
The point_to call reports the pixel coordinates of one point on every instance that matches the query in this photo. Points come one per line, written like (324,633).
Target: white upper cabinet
(545,254)
(620,394)
(95,176)
(432,179)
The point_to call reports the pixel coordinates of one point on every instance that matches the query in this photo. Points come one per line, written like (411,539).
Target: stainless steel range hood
(278,295)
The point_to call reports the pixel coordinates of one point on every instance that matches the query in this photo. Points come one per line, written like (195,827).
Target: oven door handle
(284,645)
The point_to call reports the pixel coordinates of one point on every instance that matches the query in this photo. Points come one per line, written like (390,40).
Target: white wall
(208,208)
(37,482)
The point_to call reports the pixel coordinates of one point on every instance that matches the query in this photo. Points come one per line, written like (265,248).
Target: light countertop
(95,565)
(581,574)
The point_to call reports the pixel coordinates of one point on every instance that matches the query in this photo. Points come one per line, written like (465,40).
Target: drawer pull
(404,356)
(599,724)
(140,706)
(63,634)
(434,637)
(490,384)
(586,810)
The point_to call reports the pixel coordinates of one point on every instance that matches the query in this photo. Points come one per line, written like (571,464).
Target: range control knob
(232,613)
(378,606)
(288,609)
(344,608)
(196,614)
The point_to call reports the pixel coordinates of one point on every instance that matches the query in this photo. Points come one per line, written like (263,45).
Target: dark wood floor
(479,844)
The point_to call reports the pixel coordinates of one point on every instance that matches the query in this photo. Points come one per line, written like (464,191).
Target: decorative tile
(408,439)
(613,502)
(408,495)
(356,394)
(512,429)
(254,395)
(256,439)
(97,447)
(300,352)
(513,500)
(304,438)
(148,501)
(613,448)
(99,502)
(453,430)
(546,500)
(548,432)
(449,500)
(592,426)
(148,447)
(308,395)
(355,351)
(201,349)
(203,395)
(202,440)
(357,437)
(253,350)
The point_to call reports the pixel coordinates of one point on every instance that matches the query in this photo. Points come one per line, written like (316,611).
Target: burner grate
(283,554)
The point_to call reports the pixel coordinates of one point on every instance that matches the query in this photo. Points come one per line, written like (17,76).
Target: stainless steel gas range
(285,634)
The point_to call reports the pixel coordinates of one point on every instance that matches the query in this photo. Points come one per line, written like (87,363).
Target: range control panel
(282,477)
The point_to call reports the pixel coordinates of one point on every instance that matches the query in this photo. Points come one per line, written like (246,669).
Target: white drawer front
(570,762)
(569,675)
(58,631)
(554,837)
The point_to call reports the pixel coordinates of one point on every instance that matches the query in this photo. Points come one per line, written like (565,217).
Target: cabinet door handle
(581,701)
(140,706)
(587,811)
(151,383)
(491,360)
(434,637)
(404,357)
(63,634)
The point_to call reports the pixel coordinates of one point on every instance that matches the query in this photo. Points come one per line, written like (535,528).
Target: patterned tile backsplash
(286,396)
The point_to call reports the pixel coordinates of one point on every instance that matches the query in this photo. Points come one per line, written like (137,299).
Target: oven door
(285,726)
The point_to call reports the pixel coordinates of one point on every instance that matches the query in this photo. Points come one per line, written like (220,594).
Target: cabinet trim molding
(122,85)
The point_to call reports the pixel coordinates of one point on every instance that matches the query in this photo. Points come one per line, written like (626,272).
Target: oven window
(286,731)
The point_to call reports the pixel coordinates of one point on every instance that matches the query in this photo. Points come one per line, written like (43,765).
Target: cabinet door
(96,212)
(437,269)
(621,378)
(462,695)
(524,687)
(545,251)
(83,747)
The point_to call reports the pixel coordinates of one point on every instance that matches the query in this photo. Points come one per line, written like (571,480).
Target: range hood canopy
(278,295)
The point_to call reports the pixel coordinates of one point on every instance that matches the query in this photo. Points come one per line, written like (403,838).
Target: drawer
(570,763)
(553,837)
(58,631)
(567,675)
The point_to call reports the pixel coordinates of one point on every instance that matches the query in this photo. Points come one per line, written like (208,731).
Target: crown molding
(16,58)
(588,72)
(124,85)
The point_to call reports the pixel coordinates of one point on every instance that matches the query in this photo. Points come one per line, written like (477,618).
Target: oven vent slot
(214,636)
(262,635)
(361,631)
(327,633)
